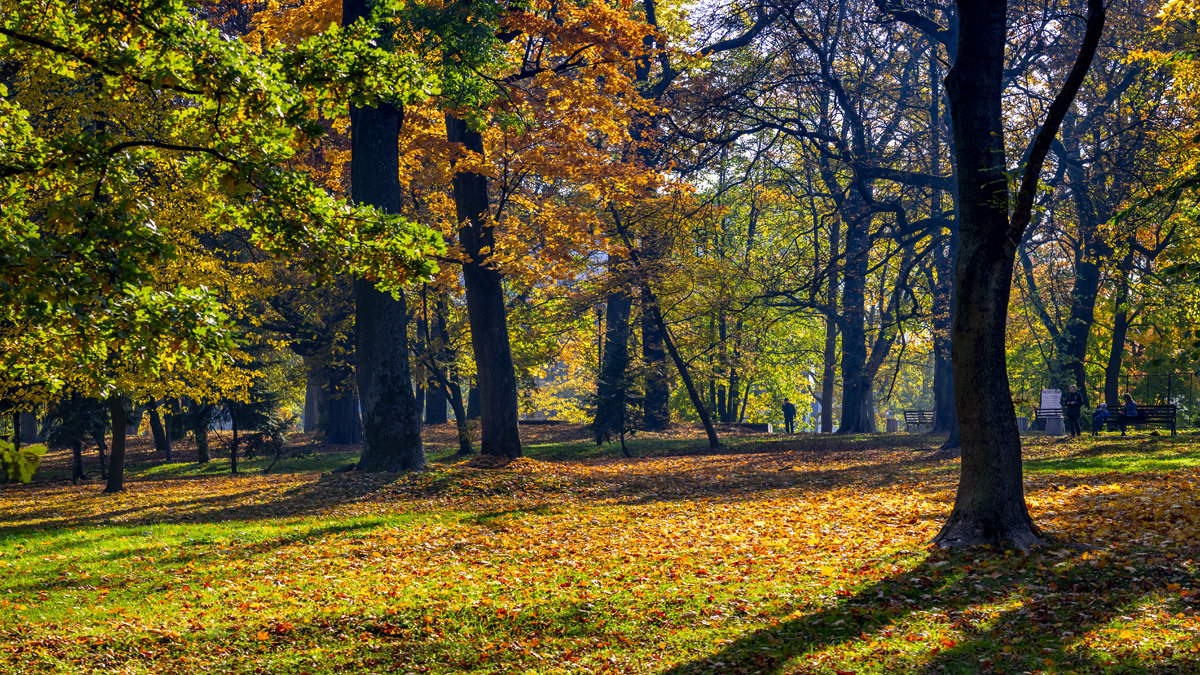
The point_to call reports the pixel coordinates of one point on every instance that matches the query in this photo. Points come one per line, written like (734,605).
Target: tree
(989,506)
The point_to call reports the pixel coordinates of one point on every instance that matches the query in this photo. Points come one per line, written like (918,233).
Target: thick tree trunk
(435,405)
(162,444)
(116,463)
(989,507)
(316,402)
(473,403)
(342,423)
(612,385)
(858,406)
(495,372)
(1116,350)
(391,419)
(29,429)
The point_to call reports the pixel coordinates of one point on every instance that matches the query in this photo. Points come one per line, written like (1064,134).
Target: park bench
(1040,415)
(918,418)
(1148,415)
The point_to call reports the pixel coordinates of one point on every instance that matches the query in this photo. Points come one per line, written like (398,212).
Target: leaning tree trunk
(989,507)
(116,461)
(162,444)
(486,311)
(655,309)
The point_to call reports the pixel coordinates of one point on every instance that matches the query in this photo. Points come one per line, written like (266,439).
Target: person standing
(789,416)
(1072,403)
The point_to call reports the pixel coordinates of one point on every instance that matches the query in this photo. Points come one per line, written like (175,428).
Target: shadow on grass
(1020,613)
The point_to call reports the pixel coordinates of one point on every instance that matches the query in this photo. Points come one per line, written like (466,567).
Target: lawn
(804,554)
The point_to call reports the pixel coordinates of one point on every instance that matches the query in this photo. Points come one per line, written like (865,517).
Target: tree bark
(342,423)
(1116,350)
(858,407)
(714,442)
(29,430)
(116,462)
(612,384)
(201,420)
(391,419)
(656,406)
(162,444)
(989,507)
(495,372)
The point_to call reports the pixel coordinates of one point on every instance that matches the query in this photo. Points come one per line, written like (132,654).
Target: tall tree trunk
(342,423)
(473,403)
(858,407)
(116,464)
(391,419)
(316,400)
(495,372)
(29,429)
(989,507)
(1116,350)
(612,385)
(714,442)
(656,406)
(435,405)
(829,355)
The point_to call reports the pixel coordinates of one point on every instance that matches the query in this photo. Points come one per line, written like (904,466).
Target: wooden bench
(917,418)
(1148,415)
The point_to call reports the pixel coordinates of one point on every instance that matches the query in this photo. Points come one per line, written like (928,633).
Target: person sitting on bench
(1128,414)
(1100,418)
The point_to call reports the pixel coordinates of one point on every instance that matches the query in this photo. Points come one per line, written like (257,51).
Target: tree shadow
(1013,612)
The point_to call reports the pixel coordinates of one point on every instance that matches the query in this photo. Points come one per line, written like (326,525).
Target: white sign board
(1051,398)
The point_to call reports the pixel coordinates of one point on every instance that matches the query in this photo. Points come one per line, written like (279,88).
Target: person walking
(1072,403)
(1128,413)
(789,416)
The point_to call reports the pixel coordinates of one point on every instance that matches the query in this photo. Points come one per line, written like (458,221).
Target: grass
(804,554)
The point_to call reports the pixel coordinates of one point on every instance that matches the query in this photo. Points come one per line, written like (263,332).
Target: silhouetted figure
(789,416)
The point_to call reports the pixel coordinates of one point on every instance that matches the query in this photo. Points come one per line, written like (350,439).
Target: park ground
(805,554)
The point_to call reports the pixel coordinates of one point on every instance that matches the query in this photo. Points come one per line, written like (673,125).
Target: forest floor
(805,554)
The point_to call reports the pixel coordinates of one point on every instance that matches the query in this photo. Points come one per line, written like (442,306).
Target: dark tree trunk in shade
(342,423)
(612,383)
(29,429)
(1116,349)
(858,405)
(162,444)
(656,406)
(116,463)
(76,460)
(486,311)
(989,507)
(201,420)
(391,420)
(446,372)
(473,403)
(829,355)
(435,405)
(316,402)
(680,365)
